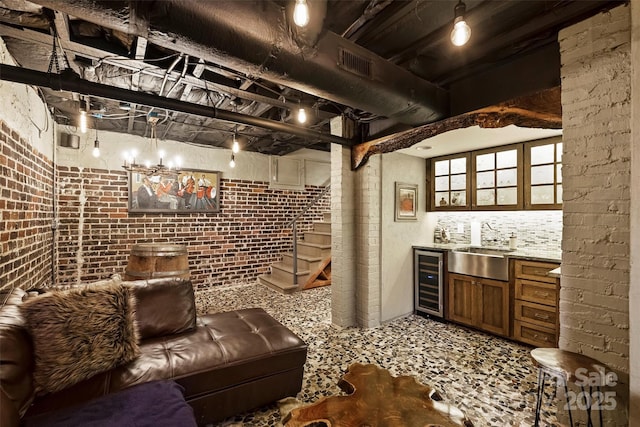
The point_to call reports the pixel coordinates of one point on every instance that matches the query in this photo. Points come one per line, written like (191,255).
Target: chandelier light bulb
(96,148)
(83,121)
(302,115)
(301,13)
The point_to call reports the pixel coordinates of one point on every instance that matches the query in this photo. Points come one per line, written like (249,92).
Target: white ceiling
(475,138)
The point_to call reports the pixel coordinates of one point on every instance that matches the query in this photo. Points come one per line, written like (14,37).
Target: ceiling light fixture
(83,116)
(235,147)
(96,146)
(301,13)
(302,115)
(232,163)
(461,32)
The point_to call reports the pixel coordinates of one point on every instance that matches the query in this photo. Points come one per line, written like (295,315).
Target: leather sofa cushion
(16,354)
(224,350)
(163,306)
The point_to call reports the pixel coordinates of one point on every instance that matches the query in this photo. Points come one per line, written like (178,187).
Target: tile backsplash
(533,229)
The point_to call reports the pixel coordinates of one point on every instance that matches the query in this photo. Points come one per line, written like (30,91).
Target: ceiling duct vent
(355,64)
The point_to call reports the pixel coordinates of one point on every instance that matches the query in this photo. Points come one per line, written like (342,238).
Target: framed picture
(406,201)
(174,191)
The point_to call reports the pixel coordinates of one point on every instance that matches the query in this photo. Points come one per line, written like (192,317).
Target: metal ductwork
(254,37)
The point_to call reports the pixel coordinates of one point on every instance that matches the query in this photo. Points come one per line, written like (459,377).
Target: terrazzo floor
(491,379)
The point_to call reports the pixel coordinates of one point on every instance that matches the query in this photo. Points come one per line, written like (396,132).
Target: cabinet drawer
(534,270)
(534,334)
(538,314)
(543,293)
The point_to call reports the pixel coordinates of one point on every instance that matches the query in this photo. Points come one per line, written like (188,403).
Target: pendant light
(302,115)
(461,32)
(96,146)
(232,163)
(235,147)
(301,13)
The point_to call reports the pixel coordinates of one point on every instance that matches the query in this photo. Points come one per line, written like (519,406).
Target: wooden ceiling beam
(539,110)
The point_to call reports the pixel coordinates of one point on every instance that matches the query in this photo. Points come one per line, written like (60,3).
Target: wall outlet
(460,227)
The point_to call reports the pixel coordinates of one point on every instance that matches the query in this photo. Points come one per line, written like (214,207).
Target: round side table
(568,367)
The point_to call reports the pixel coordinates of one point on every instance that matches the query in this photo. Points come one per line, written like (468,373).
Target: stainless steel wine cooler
(428,282)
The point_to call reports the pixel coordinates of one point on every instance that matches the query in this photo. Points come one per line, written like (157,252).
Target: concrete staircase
(314,261)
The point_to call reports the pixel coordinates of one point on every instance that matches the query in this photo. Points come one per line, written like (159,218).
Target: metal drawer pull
(541,316)
(541,294)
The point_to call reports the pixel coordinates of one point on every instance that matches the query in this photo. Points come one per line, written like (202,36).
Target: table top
(573,367)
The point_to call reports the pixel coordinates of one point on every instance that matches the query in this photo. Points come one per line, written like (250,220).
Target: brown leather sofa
(227,362)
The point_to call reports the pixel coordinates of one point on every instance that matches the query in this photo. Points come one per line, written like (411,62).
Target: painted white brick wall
(596,101)
(343,234)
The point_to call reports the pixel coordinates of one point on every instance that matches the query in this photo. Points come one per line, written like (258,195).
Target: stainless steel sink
(481,262)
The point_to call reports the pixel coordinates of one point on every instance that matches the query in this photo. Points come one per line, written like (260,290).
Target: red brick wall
(26,237)
(235,245)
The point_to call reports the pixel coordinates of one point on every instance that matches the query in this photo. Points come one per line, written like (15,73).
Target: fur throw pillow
(79,333)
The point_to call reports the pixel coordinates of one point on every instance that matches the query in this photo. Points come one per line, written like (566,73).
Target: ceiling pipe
(68,81)
(257,39)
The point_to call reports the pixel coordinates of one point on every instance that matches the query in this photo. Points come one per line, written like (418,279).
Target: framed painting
(406,202)
(174,191)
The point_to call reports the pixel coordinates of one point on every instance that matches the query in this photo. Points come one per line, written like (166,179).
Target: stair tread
(315,245)
(281,266)
(304,257)
(278,283)
(322,233)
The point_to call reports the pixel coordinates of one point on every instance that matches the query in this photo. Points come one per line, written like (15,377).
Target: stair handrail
(294,225)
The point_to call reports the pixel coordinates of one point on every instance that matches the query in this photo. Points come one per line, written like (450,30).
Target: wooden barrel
(152,260)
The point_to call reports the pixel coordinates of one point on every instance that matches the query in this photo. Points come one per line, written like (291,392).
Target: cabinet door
(461,299)
(494,306)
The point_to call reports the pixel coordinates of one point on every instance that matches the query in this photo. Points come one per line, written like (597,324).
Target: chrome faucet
(495,233)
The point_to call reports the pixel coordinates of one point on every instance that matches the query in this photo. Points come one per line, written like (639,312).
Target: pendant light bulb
(461,32)
(301,13)
(83,121)
(232,163)
(302,115)
(96,148)
(235,147)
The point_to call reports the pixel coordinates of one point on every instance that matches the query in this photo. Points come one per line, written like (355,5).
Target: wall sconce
(461,32)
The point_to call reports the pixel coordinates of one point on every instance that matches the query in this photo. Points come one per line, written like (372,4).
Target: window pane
(442,183)
(485,197)
(542,154)
(458,198)
(559,152)
(559,173)
(507,177)
(485,180)
(542,195)
(442,167)
(559,194)
(507,159)
(459,182)
(442,199)
(485,162)
(459,165)
(542,174)
(507,196)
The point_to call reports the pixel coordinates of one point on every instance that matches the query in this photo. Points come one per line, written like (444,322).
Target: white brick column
(368,243)
(596,104)
(634,293)
(343,236)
